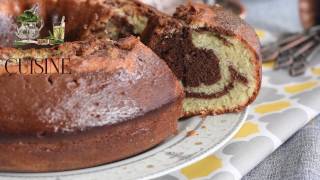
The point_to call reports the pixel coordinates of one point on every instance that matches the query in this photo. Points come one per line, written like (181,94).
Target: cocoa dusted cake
(116,97)
(115,100)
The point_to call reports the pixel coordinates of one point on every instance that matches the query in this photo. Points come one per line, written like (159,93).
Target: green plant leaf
(28,16)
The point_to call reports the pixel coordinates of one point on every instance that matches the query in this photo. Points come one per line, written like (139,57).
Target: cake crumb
(203,116)
(150,166)
(198,143)
(192,133)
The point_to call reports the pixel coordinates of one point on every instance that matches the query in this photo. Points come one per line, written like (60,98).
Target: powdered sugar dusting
(98,102)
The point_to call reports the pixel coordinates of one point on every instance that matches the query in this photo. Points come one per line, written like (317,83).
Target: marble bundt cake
(214,53)
(116,99)
(120,98)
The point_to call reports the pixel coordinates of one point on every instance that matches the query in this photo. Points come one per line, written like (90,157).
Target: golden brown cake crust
(109,83)
(89,148)
(219,20)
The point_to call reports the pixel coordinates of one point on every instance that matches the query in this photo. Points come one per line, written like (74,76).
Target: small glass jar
(58,31)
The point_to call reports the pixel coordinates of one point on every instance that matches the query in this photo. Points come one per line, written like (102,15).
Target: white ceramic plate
(210,134)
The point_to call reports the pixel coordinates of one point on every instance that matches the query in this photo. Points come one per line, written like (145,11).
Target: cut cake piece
(214,53)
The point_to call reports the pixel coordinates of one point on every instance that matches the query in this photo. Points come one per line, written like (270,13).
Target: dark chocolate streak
(235,75)
(193,66)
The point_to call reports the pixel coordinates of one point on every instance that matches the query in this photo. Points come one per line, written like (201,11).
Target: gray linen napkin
(297,159)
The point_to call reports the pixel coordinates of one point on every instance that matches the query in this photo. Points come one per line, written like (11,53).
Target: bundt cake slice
(214,53)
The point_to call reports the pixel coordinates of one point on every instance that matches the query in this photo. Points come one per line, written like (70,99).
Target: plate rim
(243,117)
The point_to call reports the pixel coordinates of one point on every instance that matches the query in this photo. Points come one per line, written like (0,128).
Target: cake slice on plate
(215,54)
